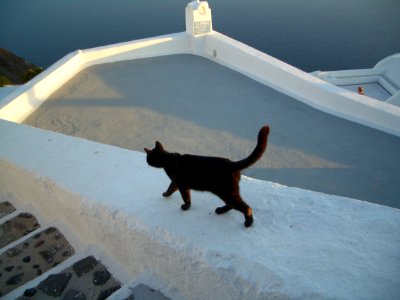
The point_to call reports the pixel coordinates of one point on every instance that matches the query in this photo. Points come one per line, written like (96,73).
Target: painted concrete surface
(302,245)
(193,105)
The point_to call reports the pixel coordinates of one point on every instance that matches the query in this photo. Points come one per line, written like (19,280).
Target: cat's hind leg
(185,193)
(248,215)
(238,203)
(171,189)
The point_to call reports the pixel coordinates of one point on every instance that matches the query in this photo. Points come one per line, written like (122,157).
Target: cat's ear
(147,150)
(159,146)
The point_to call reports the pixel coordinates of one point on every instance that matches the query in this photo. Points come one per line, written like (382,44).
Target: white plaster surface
(303,244)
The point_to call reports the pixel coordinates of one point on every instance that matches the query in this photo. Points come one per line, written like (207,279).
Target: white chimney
(198,18)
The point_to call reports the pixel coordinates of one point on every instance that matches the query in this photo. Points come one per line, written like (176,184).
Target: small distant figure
(360,90)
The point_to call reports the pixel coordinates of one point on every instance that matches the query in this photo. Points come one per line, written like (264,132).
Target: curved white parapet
(391,75)
(392,65)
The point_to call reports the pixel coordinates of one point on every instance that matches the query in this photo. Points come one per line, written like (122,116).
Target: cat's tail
(257,152)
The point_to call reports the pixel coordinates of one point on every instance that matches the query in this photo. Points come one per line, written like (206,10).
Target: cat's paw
(185,206)
(222,210)
(219,210)
(166,194)
(248,222)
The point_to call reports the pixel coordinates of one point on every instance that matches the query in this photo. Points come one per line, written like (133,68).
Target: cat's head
(156,156)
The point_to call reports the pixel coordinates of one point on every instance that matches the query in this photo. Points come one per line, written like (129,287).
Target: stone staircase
(38,262)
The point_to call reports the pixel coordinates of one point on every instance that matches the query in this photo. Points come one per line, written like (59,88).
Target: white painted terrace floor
(193,105)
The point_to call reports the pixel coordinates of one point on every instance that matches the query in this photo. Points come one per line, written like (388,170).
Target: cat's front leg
(171,189)
(186,198)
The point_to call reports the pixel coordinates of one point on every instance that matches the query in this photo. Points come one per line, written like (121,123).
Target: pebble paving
(143,292)
(86,279)
(46,248)
(6,208)
(17,227)
(32,257)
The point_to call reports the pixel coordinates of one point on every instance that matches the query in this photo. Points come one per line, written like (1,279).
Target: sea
(309,34)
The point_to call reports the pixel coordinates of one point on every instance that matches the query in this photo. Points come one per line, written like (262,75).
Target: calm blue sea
(309,34)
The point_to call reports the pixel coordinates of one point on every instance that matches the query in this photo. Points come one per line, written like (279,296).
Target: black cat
(217,175)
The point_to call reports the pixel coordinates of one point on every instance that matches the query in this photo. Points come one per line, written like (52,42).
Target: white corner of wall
(18,105)
(32,94)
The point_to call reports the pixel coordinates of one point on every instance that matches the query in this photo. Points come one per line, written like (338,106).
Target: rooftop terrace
(193,105)
(106,201)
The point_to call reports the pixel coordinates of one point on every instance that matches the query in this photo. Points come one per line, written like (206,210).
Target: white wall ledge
(303,244)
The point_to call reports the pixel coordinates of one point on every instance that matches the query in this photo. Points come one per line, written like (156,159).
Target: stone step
(6,208)
(144,292)
(17,227)
(28,252)
(85,279)
(32,257)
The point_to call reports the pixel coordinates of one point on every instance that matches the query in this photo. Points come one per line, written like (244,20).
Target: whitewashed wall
(20,104)
(111,198)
